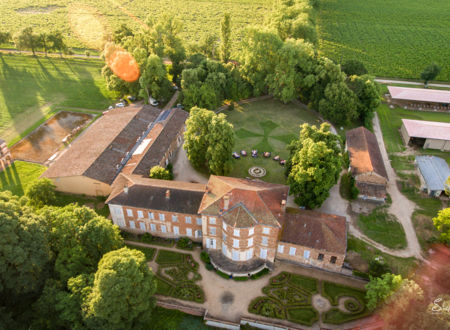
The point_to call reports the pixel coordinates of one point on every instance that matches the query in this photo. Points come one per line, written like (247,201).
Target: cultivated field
(31,88)
(86,20)
(393,38)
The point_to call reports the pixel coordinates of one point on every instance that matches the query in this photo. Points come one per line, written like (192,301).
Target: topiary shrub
(146,238)
(209,266)
(263,272)
(352,306)
(204,256)
(185,244)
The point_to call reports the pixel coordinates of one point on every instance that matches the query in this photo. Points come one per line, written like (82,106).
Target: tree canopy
(442,224)
(158,172)
(41,193)
(381,288)
(209,140)
(225,42)
(430,73)
(314,165)
(354,67)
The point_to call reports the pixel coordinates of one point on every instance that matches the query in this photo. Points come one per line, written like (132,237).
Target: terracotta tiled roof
(100,149)
(239,216)
(261,200)
(364,153)
(316,230)
(148,193)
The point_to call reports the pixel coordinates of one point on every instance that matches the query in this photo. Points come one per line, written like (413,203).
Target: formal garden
(176,276)
(266,126)
(290,296)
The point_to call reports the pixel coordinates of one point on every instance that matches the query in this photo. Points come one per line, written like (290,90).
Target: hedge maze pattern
(177,274)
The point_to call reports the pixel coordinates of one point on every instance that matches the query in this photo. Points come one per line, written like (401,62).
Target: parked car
(180,106)
(152,101)
(120,105)
(110,107)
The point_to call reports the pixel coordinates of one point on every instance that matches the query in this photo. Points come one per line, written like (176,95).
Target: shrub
(354,67)
(185,244)
(221,274)
(158,172)
(361,274)
(259,274)
(41,193)
(378,268)
(209,266)
(352,306)
(147,238)
(204,256)
(87,53)
(347,188)
(241,278)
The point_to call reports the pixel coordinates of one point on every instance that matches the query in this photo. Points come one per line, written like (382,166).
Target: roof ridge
(367,147)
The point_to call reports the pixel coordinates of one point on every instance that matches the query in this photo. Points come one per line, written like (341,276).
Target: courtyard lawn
(17,177)
(392,38)
(31,88)
(383,228)
(267,125)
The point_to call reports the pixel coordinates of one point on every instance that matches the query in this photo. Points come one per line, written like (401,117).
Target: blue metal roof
(434,171)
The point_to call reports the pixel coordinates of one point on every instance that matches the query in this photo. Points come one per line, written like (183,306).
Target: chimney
(283,205)
(226,202)
(167,194)
(125,189)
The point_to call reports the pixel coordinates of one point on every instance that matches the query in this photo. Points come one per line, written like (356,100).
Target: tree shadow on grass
(10,180)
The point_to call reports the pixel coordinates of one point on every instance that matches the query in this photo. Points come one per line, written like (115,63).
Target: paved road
(408,82)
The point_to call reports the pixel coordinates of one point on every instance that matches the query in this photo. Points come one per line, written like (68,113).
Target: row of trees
(28,40)
(66,267)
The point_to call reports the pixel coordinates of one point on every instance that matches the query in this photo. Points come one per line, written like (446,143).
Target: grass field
(83,21)
(392,38)
(267,125)
(17,177)
(34,87)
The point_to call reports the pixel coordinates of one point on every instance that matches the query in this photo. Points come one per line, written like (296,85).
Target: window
(176,230)
(224,249)
(198,233)
(333,260)
(212,221)
(152,227)
(163,228)
(251,231)
(236,232)
(189,232)
(280,248)
(266,230)
(129,212)
(265,241)
(211,244)
(132,225)
(306,254)
(151,216)
(263,253)
(235,243)
(162,217)
(212,231)
(174,218)
(188,219)
(199,221)
(224,226)
(142,225)
(249,254)
(292,251)
(140,214)
(235,255)
(224,237)
(320,257)
(250,242)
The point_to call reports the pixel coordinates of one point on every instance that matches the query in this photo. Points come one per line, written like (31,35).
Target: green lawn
(197,16)
(383,228)
(148,252)
(391,121)
(17,177)
(402,266)
(33,87)
(267,125)
(392,38)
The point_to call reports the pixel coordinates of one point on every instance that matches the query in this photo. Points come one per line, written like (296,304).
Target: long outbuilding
(420,98)
(426,134)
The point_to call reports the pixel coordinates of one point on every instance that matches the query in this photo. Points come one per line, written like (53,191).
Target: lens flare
(122,63)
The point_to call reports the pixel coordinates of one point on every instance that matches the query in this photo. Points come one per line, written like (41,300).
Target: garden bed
(148,251)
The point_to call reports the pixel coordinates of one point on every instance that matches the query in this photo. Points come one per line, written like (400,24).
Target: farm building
(420,98)
(366,164)
(5,154)
(426,134)
(434,173)
(129,140)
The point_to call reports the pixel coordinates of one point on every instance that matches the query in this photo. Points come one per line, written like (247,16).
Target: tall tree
(153,79)
(209,140)
(56,42)
(381,288)
(121,33)
(5,37)
(24,252)
(41,193)
(338,104)
(354,67)
(44,42)
(430,73)
(206,46)
(442,224)
(122,292)
(314,165)
(225,34)
(368,94)
(26,39)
